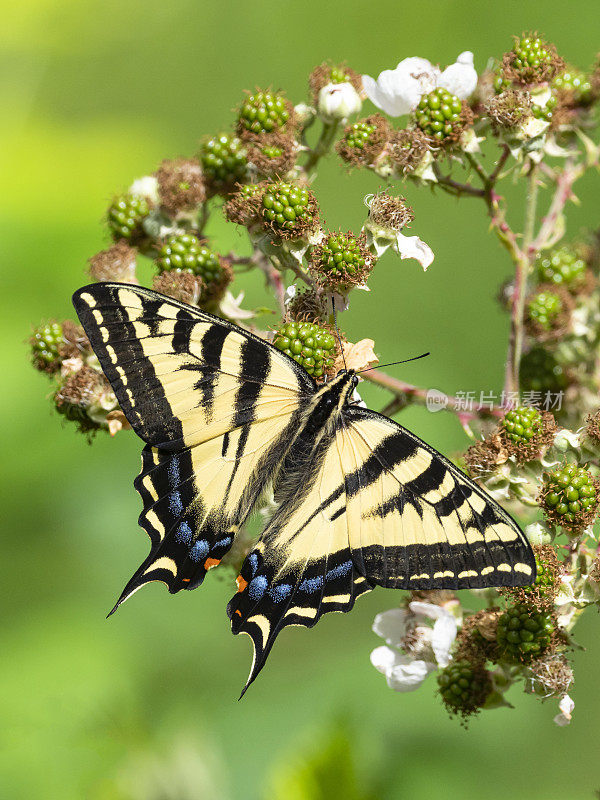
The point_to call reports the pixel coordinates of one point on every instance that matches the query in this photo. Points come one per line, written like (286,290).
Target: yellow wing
(302,566)
(217,407)
(415,521)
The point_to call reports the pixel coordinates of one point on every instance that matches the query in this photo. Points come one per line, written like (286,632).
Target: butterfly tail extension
(269,599)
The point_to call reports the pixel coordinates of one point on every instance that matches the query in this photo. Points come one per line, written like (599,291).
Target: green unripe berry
(500,83)
(312,346)
(577,83)
(45,342)
(341,260)
(544,309)
(541,372)
(359,135)
(338,75)
(545,112)
(523,633)
(264,112)
(562,267)
(569,496)
(287,208)
(522,425)
(185,252)
(438,114)
(463,687)
(223,159)
(126,214)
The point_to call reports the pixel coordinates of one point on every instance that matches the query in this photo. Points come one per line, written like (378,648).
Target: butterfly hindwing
(416,521)
(302,567)
(217,407)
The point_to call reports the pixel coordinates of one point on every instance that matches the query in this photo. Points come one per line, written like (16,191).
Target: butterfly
(360,501)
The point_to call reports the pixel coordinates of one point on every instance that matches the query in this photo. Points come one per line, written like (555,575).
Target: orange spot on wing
(186,580)
(238,612)
(241,583)
(211,562)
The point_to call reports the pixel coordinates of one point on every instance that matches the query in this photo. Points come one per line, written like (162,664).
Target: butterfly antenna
(393,363)
(337,332)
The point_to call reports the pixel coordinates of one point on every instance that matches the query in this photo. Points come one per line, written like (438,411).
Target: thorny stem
(322,147)
(406,394)
(522,269)
(454,187)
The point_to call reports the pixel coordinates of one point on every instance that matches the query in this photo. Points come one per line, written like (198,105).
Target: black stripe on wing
(121,319)
(493,551)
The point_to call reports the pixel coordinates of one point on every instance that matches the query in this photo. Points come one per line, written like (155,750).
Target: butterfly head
(346,382)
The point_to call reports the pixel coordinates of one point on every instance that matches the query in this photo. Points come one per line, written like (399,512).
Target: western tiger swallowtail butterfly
(360,501)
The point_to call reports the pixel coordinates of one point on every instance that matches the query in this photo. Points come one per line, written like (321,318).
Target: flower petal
(383,659)
(391,625)
(413,247)
(381,93)
(566,707)
(430,610)
(407,675)
(414,77)
(442,638)
(460,78)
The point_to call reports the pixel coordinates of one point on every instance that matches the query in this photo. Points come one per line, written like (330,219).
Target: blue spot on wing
(311,584)
(199,550)
(183,533)
(257,587)
(175,504)
(224,542)
(253,562)
(173,472)
(279,593)
(337,572)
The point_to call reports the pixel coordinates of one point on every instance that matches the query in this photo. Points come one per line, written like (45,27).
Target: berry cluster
(341,260)
(359,134)
(263,112)
(438,114)
(184,251)
(569,496)
(464,687)
(524,633)
(531,60)
(312,346)
(45,343)
(541,372)
(223,160)
(125,216)
(364,140)
(563,267)
(287,209)
(574,87)
(521,425)
(544,309)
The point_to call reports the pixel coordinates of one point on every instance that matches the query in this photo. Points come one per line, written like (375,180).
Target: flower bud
(338,101)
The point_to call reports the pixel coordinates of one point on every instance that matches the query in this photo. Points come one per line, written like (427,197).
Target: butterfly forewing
(415,521)
(217,408)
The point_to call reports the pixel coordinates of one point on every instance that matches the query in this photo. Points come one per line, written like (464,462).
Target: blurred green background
(145,705)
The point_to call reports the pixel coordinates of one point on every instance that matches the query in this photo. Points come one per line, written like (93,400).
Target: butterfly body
(359,500)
